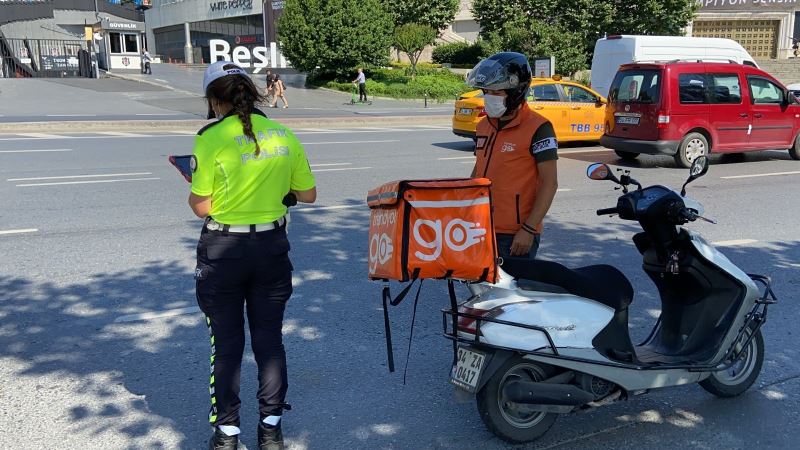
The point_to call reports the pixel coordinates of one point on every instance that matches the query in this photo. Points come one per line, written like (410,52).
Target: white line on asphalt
(157,315)
(48,150)
(377,130)
(343,168)
(467,162)
(455,157)
(41,135)
(331,164)
(734,243)
(159,79)
(71,115)
(105,175)
(158,114)
(328,208)
(563,190)
(20,231)
(86,182)
(314,130)
(773,174)
(119,134)
(350,142)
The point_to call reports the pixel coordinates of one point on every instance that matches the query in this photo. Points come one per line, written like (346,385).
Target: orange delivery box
(432,229)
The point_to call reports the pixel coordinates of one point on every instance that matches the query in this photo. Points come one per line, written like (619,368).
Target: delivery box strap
(387,300)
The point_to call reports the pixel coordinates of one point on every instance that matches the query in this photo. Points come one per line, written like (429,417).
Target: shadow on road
(342,393)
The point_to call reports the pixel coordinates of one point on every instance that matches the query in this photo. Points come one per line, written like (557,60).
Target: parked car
(794,89)
(576,111)
(689,109)
(613,51)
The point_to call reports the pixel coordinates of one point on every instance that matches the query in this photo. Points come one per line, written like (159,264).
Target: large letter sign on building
(221,50)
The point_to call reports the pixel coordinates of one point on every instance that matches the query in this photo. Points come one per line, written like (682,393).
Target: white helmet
(216,71)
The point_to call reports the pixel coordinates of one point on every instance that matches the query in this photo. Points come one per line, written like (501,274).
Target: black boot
(269,437)
(221,441)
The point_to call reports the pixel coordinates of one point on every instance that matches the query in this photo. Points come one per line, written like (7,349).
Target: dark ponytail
(242,94)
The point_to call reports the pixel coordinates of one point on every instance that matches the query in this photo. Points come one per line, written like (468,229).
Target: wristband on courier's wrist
(528,228)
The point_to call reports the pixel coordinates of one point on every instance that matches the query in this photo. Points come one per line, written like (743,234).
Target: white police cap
(216,71)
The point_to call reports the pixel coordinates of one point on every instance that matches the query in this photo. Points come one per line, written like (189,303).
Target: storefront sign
(231,5)
(749,5)
(243,56)
(121,26)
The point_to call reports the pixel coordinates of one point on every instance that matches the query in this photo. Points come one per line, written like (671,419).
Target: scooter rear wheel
(510,421)
(742,374)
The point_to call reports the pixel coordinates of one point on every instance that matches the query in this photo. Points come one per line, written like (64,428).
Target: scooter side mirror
(600,171)
(698,169)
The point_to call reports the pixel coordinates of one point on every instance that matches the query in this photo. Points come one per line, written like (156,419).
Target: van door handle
(758,116)
(576,108)
(743,115)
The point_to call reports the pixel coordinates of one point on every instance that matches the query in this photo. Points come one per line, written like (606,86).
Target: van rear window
(636,86)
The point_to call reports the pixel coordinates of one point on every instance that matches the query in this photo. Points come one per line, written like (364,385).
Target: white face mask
(495,105)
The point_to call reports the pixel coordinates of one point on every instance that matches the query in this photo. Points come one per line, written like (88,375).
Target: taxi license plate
(465,111)
(466,371)
(628,120)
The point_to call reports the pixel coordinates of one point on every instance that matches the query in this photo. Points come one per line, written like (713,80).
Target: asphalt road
(102,346)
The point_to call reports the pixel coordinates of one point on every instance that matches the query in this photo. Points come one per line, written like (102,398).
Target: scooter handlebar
(607,211)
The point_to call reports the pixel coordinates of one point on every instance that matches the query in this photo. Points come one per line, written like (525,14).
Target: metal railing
(44,58)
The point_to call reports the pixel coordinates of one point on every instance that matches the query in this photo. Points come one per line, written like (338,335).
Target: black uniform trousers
(362,92)
(237,273)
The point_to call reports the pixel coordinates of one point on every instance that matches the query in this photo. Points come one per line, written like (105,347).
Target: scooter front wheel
(742,374)
(510,421)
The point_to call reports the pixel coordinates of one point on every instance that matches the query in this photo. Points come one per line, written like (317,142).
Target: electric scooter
(548,340)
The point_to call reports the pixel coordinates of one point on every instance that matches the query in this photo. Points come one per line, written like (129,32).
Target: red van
(688,109)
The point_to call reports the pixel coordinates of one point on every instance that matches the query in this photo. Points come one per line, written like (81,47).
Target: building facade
(766,28)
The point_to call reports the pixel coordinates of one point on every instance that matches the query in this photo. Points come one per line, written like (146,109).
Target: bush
(438,84)
(462,53)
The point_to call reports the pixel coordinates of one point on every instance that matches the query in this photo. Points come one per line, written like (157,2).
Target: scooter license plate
(466,371)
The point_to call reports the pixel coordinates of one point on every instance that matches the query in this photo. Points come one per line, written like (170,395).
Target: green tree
(434,13)
(412,39)
(534,38)
(335,36)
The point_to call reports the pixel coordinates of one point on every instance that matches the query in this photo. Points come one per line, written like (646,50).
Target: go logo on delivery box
(458,235)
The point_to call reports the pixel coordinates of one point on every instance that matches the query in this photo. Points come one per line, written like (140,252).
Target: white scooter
(548,340)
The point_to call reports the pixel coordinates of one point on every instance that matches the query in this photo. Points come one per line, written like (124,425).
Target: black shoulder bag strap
(387,300)
(451,289)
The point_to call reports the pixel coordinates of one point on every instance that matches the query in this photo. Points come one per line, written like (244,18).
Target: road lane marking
(20,231)
(564,190)
(41,136)
(47,150)
(591,150)
(343,168)
(329,208)
(350,142)
(773,174)
(65,177)
(119,134)
(158,114)
(453,158)
(157,315)
(86,182)
(314,130)
(734,242)
(331,164)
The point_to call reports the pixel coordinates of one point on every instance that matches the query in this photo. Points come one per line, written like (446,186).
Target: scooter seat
(602,283)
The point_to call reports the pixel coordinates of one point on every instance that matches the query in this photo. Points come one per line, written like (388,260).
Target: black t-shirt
(544,145)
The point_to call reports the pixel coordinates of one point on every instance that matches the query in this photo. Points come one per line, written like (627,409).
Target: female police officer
(244,165)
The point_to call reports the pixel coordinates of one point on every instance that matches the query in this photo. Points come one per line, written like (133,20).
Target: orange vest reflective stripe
(504,157)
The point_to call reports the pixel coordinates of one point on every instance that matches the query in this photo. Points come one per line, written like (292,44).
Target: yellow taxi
(576,111)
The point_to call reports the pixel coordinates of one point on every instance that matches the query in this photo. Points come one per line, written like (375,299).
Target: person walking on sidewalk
(146,59)
(278,91)
(517,149)
(361,79)
(269,87)
(247,170)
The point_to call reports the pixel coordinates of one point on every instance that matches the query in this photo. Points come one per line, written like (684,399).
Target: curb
(194,125)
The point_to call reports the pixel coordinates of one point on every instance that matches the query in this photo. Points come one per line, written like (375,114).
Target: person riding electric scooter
(562,344)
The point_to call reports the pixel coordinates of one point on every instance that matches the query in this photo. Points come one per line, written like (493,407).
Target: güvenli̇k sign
(258,58)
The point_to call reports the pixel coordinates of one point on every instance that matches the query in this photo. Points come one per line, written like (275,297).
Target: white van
(613,51)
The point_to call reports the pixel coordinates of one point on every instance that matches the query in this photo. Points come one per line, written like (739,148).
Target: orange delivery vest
(504,157)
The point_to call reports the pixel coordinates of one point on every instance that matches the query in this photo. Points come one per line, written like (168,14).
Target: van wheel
(692,146)
(794,152)
(626,156)
(510,421)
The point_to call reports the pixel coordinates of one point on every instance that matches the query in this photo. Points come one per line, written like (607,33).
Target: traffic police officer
(246,170)
(517,149)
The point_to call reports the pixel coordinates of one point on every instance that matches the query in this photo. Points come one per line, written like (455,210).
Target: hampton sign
(749,5)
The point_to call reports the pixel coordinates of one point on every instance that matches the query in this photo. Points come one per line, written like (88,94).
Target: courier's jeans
(504,242)
(237,273)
